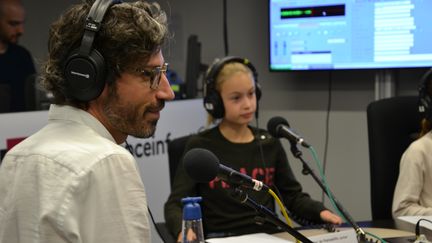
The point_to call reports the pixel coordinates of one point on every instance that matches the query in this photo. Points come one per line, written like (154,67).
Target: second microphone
(203,166)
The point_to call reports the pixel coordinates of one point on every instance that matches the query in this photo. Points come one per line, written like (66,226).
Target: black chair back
(176,149)
(393,123)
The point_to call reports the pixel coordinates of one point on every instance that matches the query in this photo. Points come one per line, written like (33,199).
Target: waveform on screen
(318,11)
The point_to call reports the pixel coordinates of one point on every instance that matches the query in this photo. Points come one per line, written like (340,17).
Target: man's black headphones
(85,69)
(425,99)
(212,100)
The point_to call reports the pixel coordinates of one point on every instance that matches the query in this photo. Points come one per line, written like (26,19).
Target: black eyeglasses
(155,75)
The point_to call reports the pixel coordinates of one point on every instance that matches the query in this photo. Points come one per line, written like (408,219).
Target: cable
(225,27)
(258,137)
(330,195)
(298,219)
(329,103)
(376,237)
(420,238)
(154,223)
(279,202)
(276,195)
(272,193)
(324,180)
(282,207)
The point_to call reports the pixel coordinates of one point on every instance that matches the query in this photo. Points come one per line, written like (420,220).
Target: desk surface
(397,224)
(393,231)
(380,232)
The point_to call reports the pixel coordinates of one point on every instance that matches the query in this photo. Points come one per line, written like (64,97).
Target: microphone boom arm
(361,235)
(269,215)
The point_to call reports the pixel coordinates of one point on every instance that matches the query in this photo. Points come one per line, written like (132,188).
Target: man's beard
(128,119)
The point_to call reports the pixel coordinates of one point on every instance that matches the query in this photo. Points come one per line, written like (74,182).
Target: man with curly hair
(72,181)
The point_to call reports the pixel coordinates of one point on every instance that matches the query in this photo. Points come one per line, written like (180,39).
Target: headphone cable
(154,223)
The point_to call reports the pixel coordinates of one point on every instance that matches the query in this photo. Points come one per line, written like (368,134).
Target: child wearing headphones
(413,192)
(231,99)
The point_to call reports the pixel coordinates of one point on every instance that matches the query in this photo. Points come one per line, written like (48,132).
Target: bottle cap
(191,208)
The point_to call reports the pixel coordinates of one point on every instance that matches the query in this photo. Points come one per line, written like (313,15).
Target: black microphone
(278,127)
(203,166)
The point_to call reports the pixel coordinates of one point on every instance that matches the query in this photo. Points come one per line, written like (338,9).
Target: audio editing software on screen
(349,34)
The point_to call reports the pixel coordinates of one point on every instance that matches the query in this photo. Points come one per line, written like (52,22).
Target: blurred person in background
(17,69)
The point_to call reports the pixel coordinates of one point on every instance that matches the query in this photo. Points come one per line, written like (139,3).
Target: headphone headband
(85,70)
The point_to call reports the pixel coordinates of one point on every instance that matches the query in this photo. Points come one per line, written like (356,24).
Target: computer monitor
(349,34)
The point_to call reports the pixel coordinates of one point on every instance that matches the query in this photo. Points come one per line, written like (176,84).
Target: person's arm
(410,183)
(107,203)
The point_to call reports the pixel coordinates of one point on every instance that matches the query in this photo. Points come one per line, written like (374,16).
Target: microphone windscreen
(201,164)
(273,123)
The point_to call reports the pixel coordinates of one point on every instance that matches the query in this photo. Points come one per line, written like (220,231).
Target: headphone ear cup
(425,100)
(85,75)
(214,105)
(258,91)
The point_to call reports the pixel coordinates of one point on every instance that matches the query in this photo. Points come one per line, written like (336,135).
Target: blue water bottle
(192,229)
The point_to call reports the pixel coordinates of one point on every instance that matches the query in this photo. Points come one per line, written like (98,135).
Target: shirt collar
(70,113)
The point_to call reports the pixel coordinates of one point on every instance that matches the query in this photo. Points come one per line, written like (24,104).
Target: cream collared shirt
(413,192)
(70,182)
